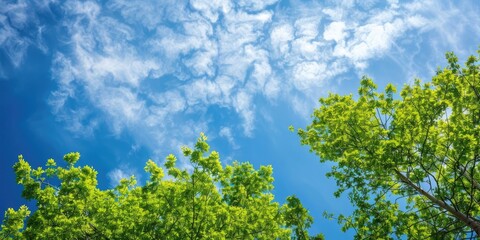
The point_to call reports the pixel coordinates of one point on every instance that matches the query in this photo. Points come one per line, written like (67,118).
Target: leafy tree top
(409,163)
(209,202)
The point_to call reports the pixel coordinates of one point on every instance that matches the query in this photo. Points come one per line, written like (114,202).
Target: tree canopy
(409,163)
(206,202)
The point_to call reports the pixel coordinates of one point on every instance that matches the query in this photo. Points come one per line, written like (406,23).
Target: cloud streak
(150,70)
(21,28)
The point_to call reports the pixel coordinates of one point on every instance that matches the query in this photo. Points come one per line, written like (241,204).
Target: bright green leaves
(22,170)
(367,88)
(297,217)
(170,165)
(171,160)
(156,172)
(421,148)
(202,201)
(51,170)
(201,144)
(26,177)
(242,182)
(291,128)
(209,163)
(13,223)
(453,62)
(61,211)
(71,158)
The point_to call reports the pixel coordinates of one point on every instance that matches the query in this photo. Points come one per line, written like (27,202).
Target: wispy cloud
(150,69)
(20,28)
(14,18)
(226,132)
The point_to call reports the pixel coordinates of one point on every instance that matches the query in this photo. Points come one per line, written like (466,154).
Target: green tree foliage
(410,164)
(208,202)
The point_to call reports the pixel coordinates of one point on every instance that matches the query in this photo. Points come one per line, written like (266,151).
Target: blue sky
(125,81)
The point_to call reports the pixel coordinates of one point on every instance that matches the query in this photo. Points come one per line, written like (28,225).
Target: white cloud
(211,9)
(202,91)
(156,70)
(361,40)
(308,75)
(226,85)
(171,101)
(174,44)
(449,23)
(369,41)
(254,5)
(127,69)
(240,29)
(202,62)
(393,3)
(83,124)
(302,106)
(335,31)
(116,175)
(20,29)
(151,13)
(111,70)
(417,21)
(226,132)
(280,38)
(307,27)
(305,49)
(262,72)
(243,106)
(122,106)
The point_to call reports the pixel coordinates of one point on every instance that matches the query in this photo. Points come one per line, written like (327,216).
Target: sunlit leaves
(206,201)
(71,158)
(13,222)
(407,160)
